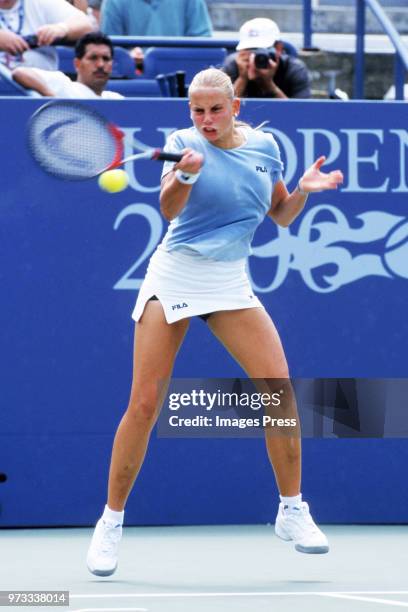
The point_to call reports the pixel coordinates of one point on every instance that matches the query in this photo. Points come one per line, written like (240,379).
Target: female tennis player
(214,198)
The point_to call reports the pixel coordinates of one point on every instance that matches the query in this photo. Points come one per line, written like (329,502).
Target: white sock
(113,516)
(291,502)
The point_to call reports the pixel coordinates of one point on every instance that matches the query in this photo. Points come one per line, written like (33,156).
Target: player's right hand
(191,161)
(12,43)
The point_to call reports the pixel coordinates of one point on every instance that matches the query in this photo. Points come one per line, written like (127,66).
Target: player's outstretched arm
(313,180)
(287,206)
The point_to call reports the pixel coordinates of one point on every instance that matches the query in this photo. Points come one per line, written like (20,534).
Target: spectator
(82,5)
(285,76)
(91,8)
(48,20)
(93,64)
(95,8)
(157,18)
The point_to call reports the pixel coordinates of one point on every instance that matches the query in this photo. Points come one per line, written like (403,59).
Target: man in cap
(261,68)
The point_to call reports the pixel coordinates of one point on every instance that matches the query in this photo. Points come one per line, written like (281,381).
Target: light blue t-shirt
(230,198)
(156,18)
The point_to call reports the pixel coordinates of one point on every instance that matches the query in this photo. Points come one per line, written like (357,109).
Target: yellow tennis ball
(113,181)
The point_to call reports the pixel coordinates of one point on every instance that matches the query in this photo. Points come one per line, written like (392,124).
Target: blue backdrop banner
(73,258)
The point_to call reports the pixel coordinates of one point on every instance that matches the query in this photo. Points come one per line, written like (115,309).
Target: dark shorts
(204,317)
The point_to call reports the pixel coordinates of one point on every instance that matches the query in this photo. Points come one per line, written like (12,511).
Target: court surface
(214,569)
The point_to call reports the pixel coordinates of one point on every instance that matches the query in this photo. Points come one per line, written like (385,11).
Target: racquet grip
(163,156)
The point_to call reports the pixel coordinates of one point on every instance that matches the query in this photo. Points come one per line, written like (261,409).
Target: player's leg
(155,348)
(252,339)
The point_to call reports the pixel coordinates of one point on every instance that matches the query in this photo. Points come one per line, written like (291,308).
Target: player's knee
(143,406)
(283,373)
(278,373)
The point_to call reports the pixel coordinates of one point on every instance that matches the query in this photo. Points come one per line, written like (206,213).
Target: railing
(173,41)
(307,24)
(401,51)
(8,87)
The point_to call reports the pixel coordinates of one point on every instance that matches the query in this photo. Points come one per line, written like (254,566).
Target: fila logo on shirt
(261,169)
(178,306)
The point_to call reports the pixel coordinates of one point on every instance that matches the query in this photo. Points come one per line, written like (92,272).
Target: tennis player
(229,179)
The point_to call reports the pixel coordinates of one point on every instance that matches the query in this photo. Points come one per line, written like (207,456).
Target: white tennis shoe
(102,558)
(296,524)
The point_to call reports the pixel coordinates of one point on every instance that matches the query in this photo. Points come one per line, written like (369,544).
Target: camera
(31,40)
(262,57)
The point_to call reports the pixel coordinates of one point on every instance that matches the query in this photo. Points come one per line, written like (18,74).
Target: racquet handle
(163,156)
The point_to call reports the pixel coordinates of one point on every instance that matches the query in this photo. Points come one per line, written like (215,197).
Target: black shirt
(291,77)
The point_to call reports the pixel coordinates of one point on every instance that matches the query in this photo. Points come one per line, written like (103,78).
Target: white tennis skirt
(188,285)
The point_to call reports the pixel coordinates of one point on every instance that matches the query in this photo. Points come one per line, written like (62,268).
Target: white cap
(257,33)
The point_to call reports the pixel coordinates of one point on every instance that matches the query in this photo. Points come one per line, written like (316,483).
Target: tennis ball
(113,181)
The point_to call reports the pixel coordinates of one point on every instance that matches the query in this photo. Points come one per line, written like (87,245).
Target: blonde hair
(213,78)
(216,79)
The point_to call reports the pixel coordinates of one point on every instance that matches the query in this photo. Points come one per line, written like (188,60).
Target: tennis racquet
(74,142)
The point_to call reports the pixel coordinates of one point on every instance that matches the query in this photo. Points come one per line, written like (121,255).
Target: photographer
(261,68)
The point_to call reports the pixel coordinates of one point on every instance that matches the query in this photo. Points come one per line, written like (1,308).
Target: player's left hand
(47,34)
(314,180)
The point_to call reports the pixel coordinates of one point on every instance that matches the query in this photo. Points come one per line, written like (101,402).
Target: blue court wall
(72,259)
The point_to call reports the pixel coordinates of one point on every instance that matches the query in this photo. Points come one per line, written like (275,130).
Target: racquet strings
(72,142)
